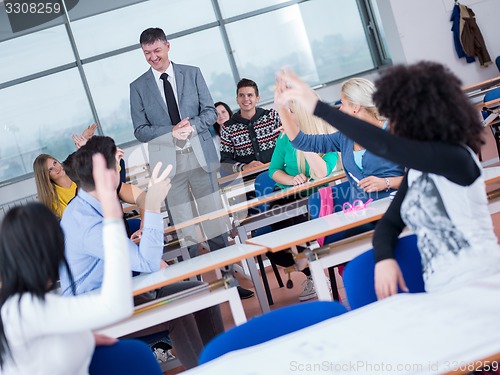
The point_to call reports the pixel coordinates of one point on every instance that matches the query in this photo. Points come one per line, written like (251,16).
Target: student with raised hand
(40,331)
(369,175)
(436,133)
(291,167)
(83,224)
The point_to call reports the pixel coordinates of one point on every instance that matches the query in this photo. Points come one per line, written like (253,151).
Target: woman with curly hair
(435,132)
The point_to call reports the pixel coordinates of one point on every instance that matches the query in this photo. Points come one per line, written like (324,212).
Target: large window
(59,77)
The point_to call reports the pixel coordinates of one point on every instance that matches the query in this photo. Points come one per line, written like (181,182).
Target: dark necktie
(173,110)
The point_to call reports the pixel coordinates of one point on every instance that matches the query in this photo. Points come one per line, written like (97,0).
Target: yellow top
(64,195)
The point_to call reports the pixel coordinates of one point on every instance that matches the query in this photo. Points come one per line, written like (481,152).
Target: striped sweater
(242,140)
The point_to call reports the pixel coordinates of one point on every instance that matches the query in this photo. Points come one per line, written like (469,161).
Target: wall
(421,29)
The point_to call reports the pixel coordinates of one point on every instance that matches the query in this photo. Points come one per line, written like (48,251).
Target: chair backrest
(263,185)
(492,95)
(359,273)
(340,194)
(125,357)
(497,61)
(270,325)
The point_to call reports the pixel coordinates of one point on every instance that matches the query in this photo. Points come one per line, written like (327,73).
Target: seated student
(369,175)
(40,331)
(54,187)
(224,113)
(82,224)
(434,131)
(290,167)
(248,138)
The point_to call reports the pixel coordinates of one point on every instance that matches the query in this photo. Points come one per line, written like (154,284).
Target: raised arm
(451,161)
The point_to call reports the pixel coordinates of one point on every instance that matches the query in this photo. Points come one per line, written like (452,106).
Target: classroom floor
(284,296)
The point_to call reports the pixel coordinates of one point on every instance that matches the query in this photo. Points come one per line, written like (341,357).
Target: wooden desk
(180,271)
(240,175)
(481,87)
(320,227)
(426,333)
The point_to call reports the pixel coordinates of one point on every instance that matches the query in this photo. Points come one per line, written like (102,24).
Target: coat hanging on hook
(469,41)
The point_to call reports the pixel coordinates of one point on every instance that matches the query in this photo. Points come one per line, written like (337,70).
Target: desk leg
(265,281)
(319,279)
(236,307)
(254,274)
(259,289)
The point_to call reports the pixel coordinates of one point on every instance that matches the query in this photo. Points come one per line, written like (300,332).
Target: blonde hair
(45,188)
(309,124)
(359,91)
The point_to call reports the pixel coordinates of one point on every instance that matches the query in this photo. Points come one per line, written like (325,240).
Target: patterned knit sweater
(242,140)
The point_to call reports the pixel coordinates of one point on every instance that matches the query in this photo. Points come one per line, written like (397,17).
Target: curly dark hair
(425,101)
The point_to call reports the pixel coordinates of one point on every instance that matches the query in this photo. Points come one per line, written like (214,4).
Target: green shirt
(285,159)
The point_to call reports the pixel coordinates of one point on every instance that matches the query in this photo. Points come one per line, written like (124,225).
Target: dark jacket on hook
(471,37)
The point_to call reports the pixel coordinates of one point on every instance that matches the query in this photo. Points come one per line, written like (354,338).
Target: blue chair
(265,185)
(495,125)
(274,324)
(359,272)
(125,357)
(497,61)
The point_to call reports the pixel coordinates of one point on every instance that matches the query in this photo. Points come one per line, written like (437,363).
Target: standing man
(172,111)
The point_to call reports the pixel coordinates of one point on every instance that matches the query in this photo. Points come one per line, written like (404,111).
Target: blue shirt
(82,226)
(372,165)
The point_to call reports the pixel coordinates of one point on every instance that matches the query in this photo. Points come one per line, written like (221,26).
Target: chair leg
(496,134)
(277,274)
(265,281)
(333,283)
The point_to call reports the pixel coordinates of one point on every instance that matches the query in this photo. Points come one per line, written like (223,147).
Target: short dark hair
(70,170)
(151,35)
(425,102)
(245,82)
(31,256)
(82,161)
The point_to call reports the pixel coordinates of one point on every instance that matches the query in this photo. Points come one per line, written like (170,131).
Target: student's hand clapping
(159,185)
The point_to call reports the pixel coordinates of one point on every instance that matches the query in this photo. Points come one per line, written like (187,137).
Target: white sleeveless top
(454,229)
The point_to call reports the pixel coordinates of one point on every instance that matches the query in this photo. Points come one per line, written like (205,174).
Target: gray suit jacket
(152,123)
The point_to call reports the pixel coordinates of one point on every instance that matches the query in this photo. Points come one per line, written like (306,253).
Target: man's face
(156,55)
(247,98)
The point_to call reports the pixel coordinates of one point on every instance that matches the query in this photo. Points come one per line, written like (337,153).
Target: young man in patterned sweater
(248,138)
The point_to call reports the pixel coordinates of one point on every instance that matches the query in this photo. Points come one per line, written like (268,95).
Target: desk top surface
(239,175)
(482,85)
(243,206)
(323,226)
(195,266)
(424,333)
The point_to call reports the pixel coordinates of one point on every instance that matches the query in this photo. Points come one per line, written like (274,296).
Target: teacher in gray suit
(172,111)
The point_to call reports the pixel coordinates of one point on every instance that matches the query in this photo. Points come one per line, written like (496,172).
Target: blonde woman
(370,176)
(54,188)
(291,167)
